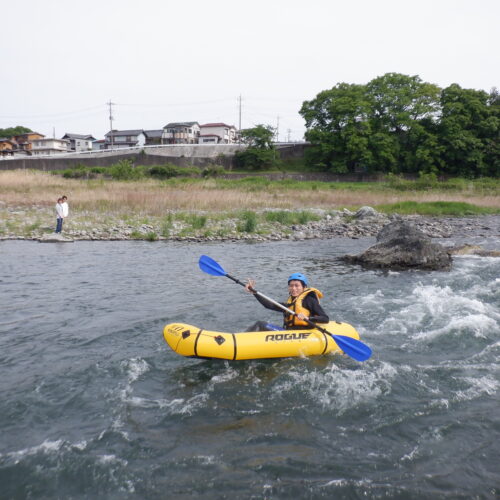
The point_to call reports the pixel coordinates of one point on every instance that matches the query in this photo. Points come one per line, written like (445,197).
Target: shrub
(256,159)
(163,171)
(136,235)
(166,226)
(151,236)
(124,170)
(75,173)
(212,171)
(248,222)
(426,180)
(288,218)
(169,170)
(280,216)
(98,170)
(196,221)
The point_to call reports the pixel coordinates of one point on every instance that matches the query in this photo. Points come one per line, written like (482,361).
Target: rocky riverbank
(37,223)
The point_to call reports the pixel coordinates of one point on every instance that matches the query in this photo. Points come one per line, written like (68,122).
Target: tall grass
(248,222)
(437,208)
(24,188)
(288,217)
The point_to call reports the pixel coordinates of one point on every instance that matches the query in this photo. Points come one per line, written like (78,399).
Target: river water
(94,404)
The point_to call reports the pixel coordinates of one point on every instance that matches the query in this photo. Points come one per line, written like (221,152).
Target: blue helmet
(299,277)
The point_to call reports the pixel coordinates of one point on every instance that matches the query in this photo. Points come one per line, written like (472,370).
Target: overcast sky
(178,60)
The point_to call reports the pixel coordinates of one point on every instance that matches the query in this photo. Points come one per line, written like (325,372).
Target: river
(95,405)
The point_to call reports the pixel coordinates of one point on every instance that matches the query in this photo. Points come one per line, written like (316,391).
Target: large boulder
(400,245)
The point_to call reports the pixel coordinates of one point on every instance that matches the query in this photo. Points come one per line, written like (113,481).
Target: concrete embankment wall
(181,155)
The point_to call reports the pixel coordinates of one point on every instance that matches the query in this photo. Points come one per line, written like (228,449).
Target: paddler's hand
(302,316)
(250,286)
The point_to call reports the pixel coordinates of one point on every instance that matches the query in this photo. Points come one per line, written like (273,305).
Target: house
(153,137)
(124,139)
(24,141)
(49,146)
(218,133)
(99,145)
(181,133)
(7,147)
(78,142)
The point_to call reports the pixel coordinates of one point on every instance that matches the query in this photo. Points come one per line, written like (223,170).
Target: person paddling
(303,300)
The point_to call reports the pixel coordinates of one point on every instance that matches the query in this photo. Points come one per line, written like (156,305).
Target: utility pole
(278,129)
(111,104)
(239,125)
(288,131)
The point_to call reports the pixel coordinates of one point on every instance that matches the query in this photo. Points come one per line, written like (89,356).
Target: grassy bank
(157,197)
(215,208)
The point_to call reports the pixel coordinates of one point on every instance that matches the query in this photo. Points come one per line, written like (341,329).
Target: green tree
(11,131)
(469,131)
(405,108)
(260,136)
(260,153)
(338,128)
(399,101)
(385,125)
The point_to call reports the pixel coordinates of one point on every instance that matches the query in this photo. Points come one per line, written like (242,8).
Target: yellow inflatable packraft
(191,341)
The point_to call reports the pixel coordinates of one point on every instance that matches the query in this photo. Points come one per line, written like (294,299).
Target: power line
(50,115)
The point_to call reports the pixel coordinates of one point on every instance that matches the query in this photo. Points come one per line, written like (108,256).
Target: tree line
(400,124)
(5,133)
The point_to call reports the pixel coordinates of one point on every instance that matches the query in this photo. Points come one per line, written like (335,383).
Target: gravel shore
(35,223)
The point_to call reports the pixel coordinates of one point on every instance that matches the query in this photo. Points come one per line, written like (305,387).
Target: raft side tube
(191,341)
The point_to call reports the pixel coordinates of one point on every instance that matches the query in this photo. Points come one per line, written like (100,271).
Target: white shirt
(65,209)
(59,210)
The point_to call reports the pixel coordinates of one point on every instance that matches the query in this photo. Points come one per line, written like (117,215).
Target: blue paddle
(352,347)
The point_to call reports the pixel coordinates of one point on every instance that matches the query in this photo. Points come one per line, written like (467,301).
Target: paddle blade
(209,266)
(353,347)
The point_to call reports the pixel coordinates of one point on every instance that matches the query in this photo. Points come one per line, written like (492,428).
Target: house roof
(181,124)
(78,136)
(115,133)
(217,125)
(48,139)
(26,134)
(153,133)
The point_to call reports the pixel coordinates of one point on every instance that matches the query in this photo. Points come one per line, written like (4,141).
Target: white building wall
(227,134)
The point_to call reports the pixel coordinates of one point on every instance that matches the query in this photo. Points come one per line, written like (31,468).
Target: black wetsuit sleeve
(318,315)
(267,304)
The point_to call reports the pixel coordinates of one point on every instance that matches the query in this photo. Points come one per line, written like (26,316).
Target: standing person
(65,206)
(303,300)
(59,215)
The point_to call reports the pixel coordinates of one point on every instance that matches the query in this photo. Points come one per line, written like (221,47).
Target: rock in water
(467,249)
(402,246)
(55,238)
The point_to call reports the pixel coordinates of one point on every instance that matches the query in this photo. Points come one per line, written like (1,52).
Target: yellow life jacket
(295,304)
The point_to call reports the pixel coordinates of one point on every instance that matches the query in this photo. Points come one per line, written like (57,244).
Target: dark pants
(59,224)
(263,326)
